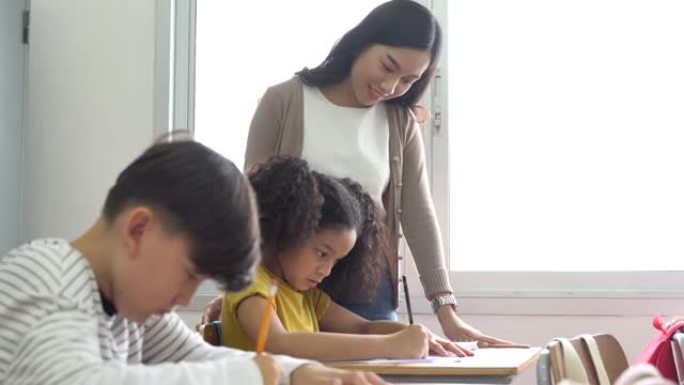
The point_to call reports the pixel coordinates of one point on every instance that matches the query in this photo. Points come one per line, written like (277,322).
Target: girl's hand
(270,370)
(456,329)
(412,342)
(443,347)
(323,375)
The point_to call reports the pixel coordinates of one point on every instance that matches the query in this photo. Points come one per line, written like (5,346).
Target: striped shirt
(54,330)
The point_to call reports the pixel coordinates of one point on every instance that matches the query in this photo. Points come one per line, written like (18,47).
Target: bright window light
(566,136)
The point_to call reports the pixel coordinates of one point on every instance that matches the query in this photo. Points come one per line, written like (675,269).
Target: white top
(347,142)
(53,329)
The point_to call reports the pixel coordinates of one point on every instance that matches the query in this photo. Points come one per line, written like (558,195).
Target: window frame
(174,67)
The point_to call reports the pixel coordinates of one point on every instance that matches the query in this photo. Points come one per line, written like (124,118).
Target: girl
(311,222)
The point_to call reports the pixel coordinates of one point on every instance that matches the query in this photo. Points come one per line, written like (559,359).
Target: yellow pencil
(263,328)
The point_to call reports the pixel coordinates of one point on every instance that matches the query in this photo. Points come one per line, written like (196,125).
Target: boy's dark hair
(295,203)
(357,276)
(202,195)
(396,23)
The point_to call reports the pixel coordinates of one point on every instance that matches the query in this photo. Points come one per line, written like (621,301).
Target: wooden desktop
(486,366)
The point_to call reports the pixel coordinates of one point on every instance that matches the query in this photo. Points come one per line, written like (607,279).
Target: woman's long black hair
(396,23)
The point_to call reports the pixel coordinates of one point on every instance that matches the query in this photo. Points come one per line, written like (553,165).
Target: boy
(98,310)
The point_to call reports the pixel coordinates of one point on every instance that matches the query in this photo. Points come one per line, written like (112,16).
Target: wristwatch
(444,299)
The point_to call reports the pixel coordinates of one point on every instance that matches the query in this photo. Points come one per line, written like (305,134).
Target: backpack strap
(556,362)
(596,359)
(567,364)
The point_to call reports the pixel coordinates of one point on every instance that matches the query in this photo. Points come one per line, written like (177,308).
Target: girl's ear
(136,224)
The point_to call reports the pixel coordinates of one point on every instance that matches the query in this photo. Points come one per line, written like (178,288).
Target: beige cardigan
(277,129)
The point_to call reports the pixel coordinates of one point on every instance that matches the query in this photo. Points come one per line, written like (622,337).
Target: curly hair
(289,203)
(359,273)
(296,203)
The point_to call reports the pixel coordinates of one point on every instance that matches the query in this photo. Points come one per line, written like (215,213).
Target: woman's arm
(419,222)
(409,343)
(418,217)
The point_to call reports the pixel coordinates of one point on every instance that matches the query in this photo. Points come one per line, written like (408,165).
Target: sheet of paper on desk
(432,360)
(481,357)
(498,362)
(468,345)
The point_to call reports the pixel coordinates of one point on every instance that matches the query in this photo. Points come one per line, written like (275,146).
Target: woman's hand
(211,312)
(456,329)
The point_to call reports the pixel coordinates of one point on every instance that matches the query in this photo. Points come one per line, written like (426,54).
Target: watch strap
(442,300)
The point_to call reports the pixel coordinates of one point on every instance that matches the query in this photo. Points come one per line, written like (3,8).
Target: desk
(487,366)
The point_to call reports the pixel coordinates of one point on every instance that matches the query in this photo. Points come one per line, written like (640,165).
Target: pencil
(263,328)
(408,300)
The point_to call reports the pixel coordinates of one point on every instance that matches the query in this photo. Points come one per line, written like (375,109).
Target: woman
(356,116)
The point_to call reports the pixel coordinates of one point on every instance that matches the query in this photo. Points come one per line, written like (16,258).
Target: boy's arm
(294,371)
(324,346)
(168,339)
(64,349)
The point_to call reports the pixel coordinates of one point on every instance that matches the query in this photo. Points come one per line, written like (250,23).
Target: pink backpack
(658,352)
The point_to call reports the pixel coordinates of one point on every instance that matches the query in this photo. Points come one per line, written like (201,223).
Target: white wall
(11,109)
(91,89)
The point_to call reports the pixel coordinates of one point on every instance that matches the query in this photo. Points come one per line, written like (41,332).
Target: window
(562,144)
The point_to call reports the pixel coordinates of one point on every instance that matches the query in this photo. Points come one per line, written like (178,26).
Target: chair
(594,360)
(544,368)
(211,333)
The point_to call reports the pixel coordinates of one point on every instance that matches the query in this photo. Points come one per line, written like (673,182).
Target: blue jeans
(380,308)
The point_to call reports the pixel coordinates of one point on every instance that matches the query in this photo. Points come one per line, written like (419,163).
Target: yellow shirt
(298,311)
